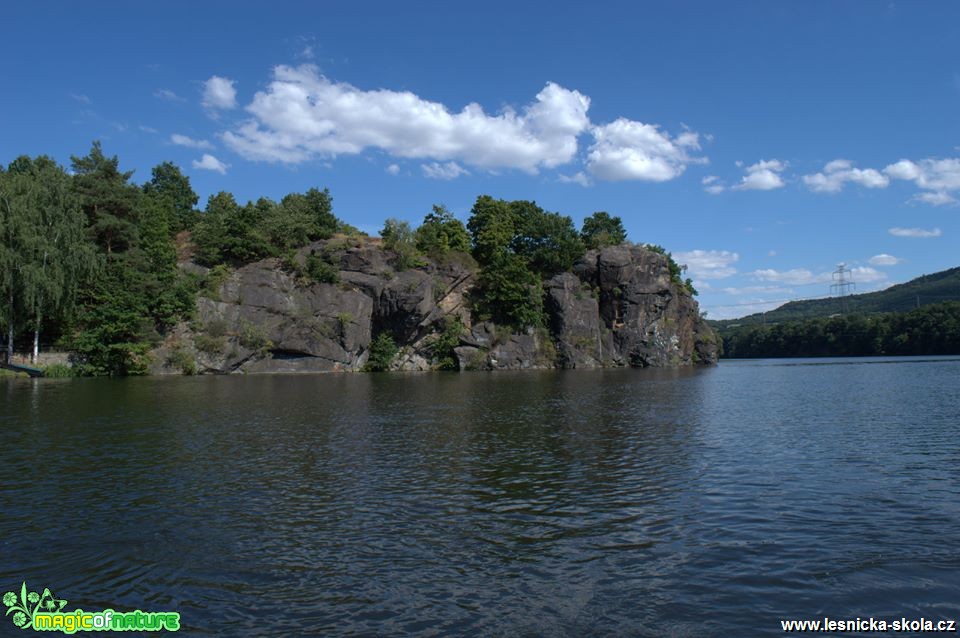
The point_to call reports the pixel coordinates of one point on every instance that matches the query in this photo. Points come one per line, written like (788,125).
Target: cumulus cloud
(865,274)
(793,277)
(219,93)
(393,169)
(708,264)
(210,163)
(936,198)
(625,149)
(840,171)
(449,170)
(302,115)
(577,178)
(883,259)
(762,176)
(189,142)
(803,277)
(939,177)
(915,232)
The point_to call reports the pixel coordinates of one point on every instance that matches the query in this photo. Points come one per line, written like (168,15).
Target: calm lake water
(624,502)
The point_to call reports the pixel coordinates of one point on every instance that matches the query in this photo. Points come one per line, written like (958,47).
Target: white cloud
(577,178)
(708,264)
(935,198)
(762,176)
(183,140)
(929,174)
(393,169)
(915,232)
(80,97)
(167,94)
(840,171)
(210,163)
(219,93)
(804,277)
(758,290)
(771,253)
(713,185)
(936,176)
(626,150)
(302,114)
(883,259)
(794,277)
(148,129)
(865,274)
(449,170)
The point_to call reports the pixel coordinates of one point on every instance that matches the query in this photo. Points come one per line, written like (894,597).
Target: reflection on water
(640,502)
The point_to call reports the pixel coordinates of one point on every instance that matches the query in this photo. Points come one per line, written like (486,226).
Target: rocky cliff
(618,307)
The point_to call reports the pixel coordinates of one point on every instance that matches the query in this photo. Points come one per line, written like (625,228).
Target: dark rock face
(618,307)
(651,320)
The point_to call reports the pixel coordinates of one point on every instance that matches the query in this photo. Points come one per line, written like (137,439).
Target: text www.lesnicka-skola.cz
(869,624)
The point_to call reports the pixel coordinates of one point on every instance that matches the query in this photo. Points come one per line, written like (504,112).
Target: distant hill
(927,289)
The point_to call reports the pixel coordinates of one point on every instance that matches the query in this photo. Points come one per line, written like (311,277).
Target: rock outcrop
(618,307)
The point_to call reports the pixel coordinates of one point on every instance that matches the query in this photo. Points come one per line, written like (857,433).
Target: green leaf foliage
(518,244)
(600,229)
(929,330)
(441,232)
(399,238)
(383,350)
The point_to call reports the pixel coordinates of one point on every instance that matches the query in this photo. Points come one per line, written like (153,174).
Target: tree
(510,293)
(290,224)
(228,232)
(548,241)
(399,238)
(491,227)
(46,249)
(107,198)
(170,189)
(320,205)
(441,232)
(600,229)
(517,244)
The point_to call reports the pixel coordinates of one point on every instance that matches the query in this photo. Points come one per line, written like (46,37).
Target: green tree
(399,238)
(320,206)
(230,233)
(441,232)
(491,227)
(46,250)
(509,293)
(170,189)
(548,241)
(600,229)
(108,199)
(383,350)
(290,224)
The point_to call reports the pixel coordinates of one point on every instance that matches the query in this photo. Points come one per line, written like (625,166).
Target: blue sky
(762,142)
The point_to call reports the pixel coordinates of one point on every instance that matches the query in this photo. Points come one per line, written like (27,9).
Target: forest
(90,260)
(930,330)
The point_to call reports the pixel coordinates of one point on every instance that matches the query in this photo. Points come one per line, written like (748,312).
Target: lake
(714,501)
